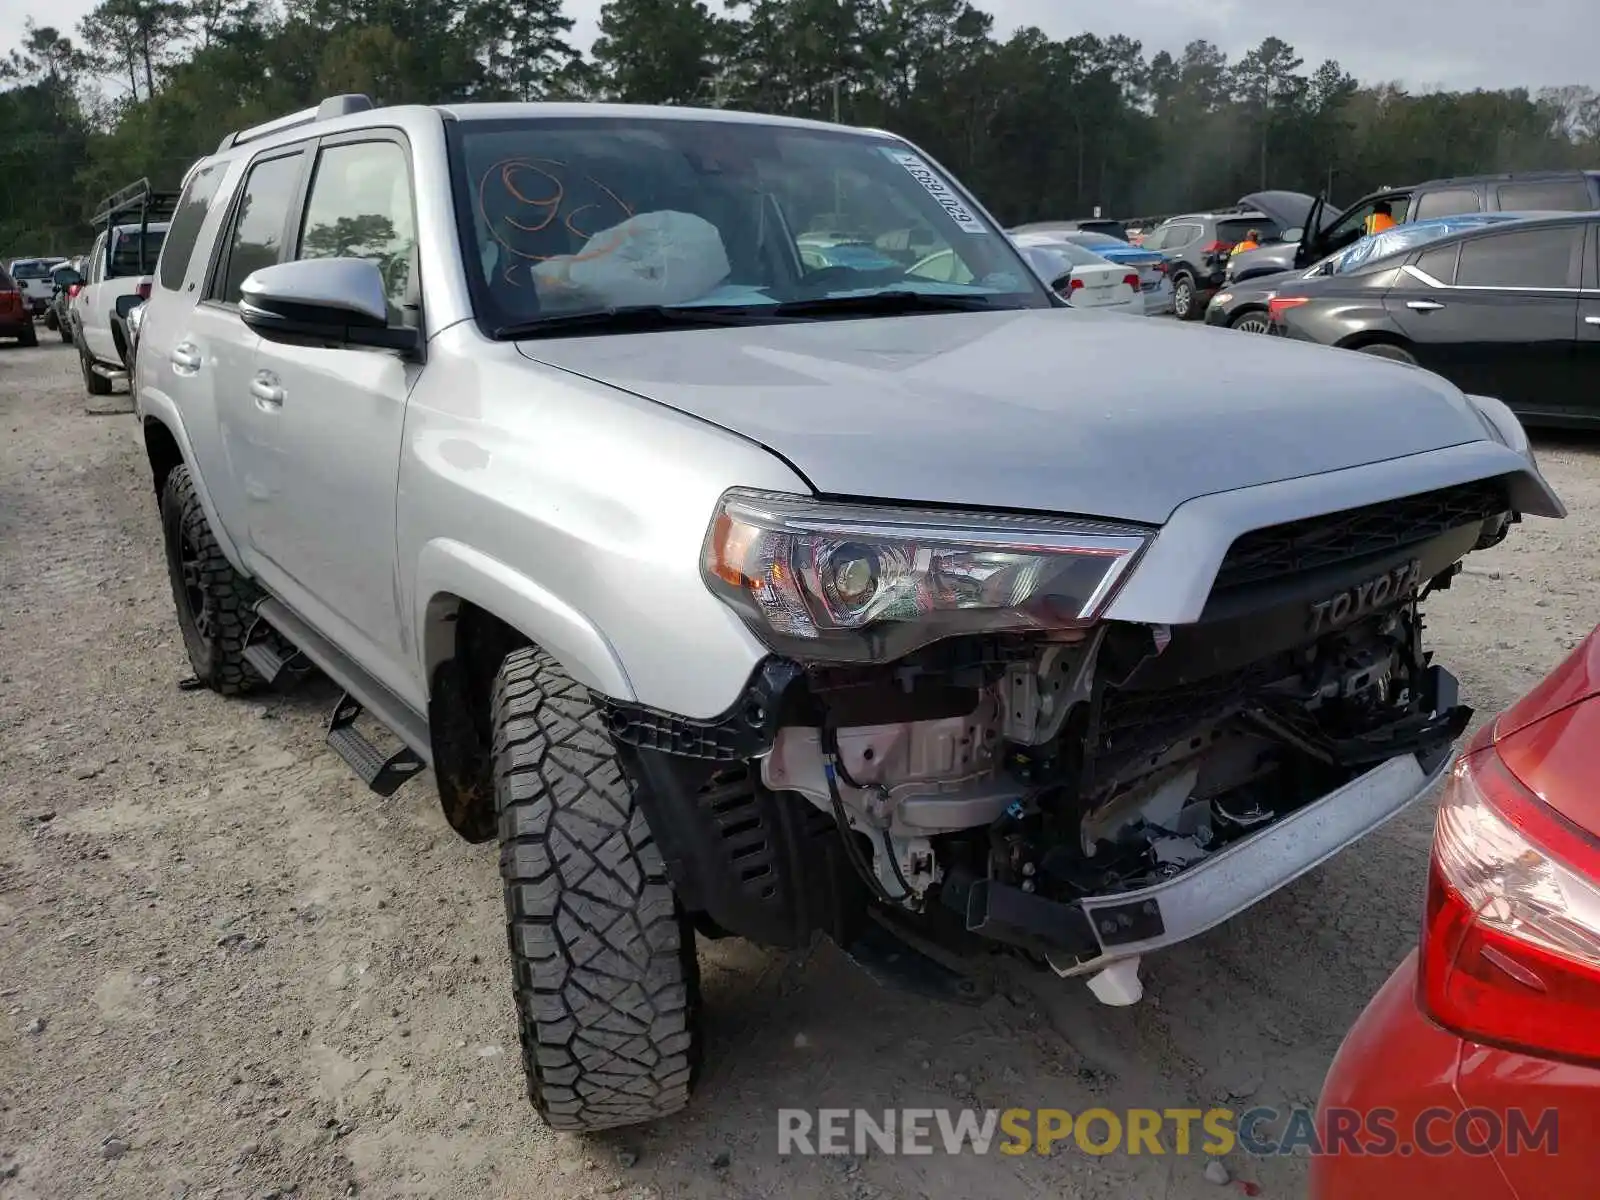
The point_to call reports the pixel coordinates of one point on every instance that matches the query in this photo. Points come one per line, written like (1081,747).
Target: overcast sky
(1421,43)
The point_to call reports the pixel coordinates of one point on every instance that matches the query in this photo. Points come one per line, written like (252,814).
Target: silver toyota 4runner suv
(741,594)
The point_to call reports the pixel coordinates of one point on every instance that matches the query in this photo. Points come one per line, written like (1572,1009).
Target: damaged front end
(951,733)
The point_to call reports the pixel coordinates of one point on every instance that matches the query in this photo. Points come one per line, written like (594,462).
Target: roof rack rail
(333,106)
(137,204)
(139,201)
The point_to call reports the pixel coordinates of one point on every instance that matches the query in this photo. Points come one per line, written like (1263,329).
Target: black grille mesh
(1323,541)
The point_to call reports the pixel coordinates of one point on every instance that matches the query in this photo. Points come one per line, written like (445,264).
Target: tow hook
(1118,984)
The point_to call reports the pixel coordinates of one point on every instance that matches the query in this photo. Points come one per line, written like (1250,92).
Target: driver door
(332,417)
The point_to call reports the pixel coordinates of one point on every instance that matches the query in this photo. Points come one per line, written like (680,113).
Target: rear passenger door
(329,420)
(1503,322)
(216,352)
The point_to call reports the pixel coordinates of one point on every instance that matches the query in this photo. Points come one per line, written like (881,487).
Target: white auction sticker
(937,188)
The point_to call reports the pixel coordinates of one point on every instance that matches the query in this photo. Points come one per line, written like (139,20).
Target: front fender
(450,568)
(156,406)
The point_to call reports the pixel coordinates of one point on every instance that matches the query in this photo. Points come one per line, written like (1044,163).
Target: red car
(1475,1071)
(16,321)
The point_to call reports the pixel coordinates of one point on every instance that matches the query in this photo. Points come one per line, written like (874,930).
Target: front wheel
(603,963)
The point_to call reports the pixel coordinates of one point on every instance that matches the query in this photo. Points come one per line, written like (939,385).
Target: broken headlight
(864,582)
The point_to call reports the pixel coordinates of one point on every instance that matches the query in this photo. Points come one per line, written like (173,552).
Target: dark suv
(1197,247)
(1298,214)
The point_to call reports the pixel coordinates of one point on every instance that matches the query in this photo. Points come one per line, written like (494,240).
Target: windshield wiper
(888,303)
(642,318)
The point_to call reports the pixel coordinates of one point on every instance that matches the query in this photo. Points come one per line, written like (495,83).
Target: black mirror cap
(325,327)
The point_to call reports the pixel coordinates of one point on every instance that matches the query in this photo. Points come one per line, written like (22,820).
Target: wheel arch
(473,611)
(167,446)
(1374,337)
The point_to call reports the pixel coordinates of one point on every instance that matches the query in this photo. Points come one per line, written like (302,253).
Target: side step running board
(383,774)
(264,650)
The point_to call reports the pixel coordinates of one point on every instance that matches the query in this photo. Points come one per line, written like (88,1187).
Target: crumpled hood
(1043,410)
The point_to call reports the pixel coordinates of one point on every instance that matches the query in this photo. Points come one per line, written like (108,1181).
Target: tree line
(1038,127)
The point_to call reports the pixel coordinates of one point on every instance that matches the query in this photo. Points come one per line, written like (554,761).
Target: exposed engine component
(1061,781)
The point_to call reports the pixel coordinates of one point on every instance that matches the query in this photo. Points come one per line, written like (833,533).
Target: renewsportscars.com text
(1259,1132)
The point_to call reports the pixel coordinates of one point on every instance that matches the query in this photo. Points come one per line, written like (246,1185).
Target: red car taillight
(9,299)
(1132,280)
(1279,305)
(1511,939)
(1218,248)
(1074,284)
(144,290)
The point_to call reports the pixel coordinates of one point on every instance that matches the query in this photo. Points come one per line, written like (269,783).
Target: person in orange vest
(1379,220)
(1252,241)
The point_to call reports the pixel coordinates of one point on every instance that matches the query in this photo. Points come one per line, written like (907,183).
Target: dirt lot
(217,949)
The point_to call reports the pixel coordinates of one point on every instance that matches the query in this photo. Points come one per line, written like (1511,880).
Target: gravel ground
(226,970)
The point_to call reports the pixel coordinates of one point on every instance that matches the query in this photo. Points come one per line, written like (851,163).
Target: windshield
(1097,239)
(1235,231)
(566,216)
(33,268)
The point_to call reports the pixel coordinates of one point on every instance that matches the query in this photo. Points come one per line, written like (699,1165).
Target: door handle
(1424,305)
(185,357)
(267,390)
(1591,320)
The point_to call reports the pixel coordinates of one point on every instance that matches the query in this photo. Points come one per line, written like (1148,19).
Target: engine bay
(1032,764)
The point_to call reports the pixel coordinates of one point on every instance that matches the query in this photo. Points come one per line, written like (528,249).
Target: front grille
(1280,551)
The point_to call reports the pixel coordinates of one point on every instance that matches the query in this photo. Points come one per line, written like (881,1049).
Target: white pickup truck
(120,271)
(117,277)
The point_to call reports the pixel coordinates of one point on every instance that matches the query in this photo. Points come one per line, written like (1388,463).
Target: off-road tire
(603,962)
(97,384)
(215,603)
(1184,309)
(1390,351)
(65,331)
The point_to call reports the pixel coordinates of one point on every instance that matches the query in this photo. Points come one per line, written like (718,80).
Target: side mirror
(322,302)
(1292,235)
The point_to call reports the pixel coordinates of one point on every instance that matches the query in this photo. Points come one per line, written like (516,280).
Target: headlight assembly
(860,582)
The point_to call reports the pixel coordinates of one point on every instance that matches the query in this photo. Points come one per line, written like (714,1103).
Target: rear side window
(1530,258)
(1553,195)
(184,231)
(257,237)
(1446,202)
(7,284)
(1180,235)
(1440,263)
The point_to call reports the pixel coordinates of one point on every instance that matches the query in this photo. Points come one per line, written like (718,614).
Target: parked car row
(1503,304)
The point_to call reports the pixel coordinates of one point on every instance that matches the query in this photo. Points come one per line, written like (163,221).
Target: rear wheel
(28,337)
(96,383)
(1185,299)
(214,601)
(1252,321)
(1390,351)
(603,962)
